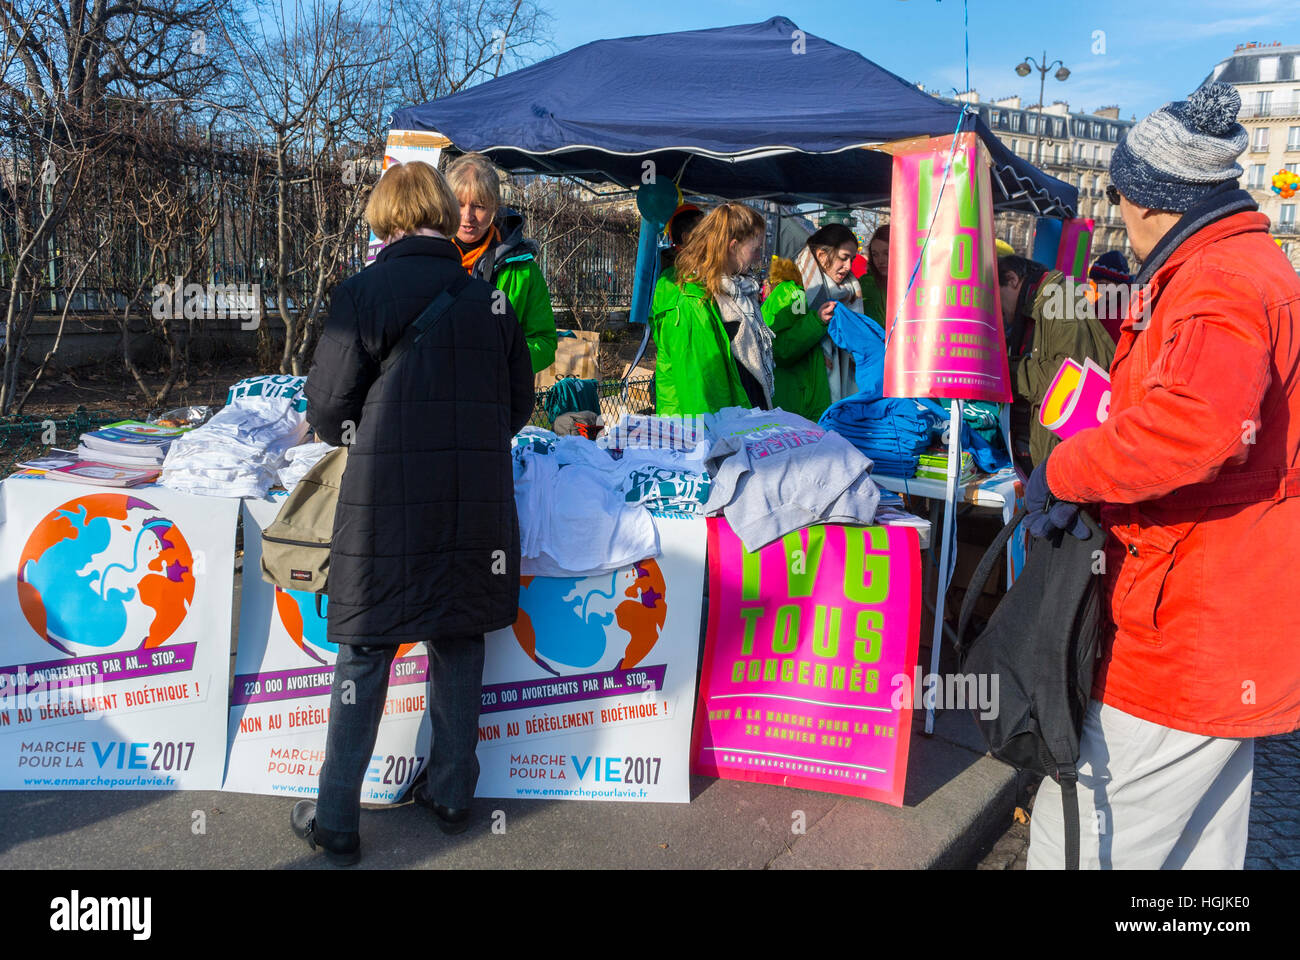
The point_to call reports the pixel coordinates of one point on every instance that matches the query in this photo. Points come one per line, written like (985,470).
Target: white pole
(945,552)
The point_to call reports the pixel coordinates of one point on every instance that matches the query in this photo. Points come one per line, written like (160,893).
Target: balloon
(657,200)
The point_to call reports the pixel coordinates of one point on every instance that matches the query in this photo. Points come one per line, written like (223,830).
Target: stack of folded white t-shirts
(574,518)
(239,452)
(300,459)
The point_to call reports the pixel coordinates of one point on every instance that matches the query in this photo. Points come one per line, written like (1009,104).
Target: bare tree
(447,45)
(313,74)
(321,83)
(62,67)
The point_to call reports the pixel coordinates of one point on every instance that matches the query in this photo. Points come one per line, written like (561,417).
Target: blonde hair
(410,196)
(703,257)
(473,178)
(783,270)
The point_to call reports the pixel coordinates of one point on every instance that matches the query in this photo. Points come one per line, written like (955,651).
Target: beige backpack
(296,544)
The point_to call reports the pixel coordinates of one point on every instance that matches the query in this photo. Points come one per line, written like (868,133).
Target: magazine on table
(55,458)
(103,474)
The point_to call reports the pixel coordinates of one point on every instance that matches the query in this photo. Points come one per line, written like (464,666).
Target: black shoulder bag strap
(425,322)
(980,577)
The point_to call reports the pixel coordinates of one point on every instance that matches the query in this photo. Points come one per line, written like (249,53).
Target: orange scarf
(470,255)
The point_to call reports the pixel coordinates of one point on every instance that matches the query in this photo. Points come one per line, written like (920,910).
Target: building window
(1256,179)
(1031,123)
(1056,153)
(1291,168)
(1267,69)
(1293,138)
(1096,131)
(1261,139)
(1263,100)
(1110,131)
(993,118)
(1015,121)
(1288,215)
(1096,154)
(1015,146)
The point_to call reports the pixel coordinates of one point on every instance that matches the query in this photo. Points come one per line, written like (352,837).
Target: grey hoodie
(775,472)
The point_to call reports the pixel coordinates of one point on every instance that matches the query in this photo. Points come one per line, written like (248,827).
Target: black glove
(1046,514)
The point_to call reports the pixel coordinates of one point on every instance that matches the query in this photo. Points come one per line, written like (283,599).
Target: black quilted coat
(426,538)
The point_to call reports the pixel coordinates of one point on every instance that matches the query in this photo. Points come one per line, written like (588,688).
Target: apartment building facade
(1267,76)
(1076,147)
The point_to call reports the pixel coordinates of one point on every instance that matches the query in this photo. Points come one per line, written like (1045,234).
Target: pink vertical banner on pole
(944,337)
(1076,244)
(810,660)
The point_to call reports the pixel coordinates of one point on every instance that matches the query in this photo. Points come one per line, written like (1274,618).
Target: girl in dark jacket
(426,539)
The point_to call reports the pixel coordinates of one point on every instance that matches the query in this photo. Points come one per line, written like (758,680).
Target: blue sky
(1155,50)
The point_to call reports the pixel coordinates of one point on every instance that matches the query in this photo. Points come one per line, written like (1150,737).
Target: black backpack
(1042,643)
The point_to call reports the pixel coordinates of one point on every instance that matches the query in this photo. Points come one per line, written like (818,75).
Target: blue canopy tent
(756,111)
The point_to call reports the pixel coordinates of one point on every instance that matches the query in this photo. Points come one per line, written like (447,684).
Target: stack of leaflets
(53,460)
(934,466)
(129,443)
(103,474)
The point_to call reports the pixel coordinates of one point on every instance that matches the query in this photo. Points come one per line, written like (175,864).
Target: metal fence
(22,438)
(614,400)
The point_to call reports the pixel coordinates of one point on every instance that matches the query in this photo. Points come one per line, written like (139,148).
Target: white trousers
(1150,798)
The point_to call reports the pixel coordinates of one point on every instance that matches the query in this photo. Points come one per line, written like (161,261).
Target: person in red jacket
(1197,474)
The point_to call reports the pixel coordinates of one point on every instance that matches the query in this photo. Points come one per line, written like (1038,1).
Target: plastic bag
(183,417)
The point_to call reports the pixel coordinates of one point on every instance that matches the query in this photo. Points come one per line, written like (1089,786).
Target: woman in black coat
(426,538)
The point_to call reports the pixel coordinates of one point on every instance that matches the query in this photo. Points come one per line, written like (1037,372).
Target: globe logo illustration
(309,629)
(105,573)
(567,621)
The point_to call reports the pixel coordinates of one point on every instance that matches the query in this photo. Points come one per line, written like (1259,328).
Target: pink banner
(944,338)
(809,660)
(1076,245)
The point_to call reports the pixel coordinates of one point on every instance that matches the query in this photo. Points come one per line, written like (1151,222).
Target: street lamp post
(1024,69)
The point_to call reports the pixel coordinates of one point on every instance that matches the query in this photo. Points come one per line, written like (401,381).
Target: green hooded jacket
(524,286)
(511,267)
(873,299)
(694,371)
(801,383)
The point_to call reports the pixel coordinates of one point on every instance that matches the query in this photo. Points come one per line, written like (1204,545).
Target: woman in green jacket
(492,246)
(801,383)
(874,280)
(714,350)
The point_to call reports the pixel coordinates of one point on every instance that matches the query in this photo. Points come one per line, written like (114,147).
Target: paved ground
(1275,805)
(955,803)
(1274,842)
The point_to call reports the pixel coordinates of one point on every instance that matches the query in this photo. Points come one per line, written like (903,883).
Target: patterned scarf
(818,288)
(470,255)
(752,345)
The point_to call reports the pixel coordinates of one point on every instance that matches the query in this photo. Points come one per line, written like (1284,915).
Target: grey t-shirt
(775,472)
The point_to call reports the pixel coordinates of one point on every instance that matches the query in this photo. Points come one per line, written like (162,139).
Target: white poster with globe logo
(589,695)
(114,636)
(284,671)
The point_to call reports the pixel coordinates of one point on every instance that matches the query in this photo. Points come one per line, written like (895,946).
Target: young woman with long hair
(875,279)
(715,350)
(825,265)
